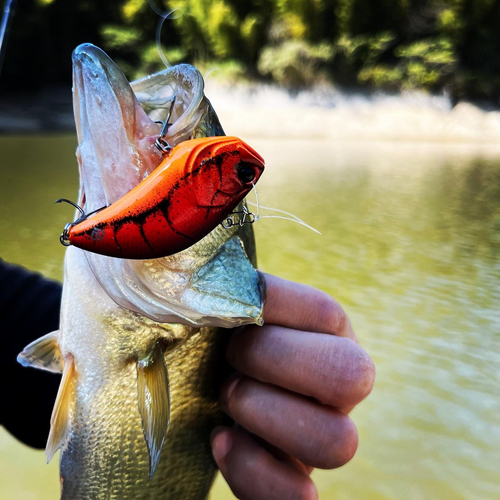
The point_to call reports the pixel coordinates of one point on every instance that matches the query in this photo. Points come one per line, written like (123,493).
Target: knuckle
(248,405)
(234,396)
(242,392)
(330,312)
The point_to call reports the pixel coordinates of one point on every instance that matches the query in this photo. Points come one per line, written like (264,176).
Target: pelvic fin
(154,403)
(59,421)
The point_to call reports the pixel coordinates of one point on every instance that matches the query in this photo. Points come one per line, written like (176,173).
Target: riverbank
(266,111)
(269,111)
(49,110)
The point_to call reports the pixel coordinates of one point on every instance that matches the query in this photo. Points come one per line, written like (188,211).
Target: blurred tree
(430,44)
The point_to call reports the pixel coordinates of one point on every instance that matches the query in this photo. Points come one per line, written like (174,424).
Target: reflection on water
(410,246)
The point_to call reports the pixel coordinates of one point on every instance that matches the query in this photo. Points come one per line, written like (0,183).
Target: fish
(194,189)
(141,342)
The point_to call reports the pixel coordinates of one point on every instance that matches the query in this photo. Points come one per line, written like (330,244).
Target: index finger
(303,307)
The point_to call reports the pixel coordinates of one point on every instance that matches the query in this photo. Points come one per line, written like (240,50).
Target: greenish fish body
(140,343)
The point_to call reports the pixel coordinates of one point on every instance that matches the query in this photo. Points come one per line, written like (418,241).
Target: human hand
(297,378)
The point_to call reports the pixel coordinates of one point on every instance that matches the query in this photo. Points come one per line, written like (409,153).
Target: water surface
(410,246)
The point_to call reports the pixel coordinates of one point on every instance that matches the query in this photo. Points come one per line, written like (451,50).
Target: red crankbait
(193,190)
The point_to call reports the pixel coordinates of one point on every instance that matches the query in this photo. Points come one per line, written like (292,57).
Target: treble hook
(161,143)
(64,238)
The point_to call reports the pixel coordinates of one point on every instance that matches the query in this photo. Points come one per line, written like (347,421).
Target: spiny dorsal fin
(43,353)
(59,421)
(154,403)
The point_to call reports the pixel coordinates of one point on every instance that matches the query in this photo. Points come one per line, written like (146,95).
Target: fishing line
(164,16)
(210,72)
(292,218)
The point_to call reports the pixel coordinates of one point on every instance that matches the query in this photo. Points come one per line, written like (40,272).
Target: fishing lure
(195,188)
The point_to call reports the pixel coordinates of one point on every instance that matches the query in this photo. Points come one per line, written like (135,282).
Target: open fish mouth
(212,283)
(117,122)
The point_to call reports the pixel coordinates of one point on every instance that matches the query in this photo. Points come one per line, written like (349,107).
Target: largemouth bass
(140,337)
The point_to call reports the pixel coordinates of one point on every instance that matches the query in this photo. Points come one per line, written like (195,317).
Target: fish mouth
(117,121)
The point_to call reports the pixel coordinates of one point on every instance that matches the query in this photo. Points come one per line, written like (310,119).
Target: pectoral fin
(43,353)
(154,403)
(59,421)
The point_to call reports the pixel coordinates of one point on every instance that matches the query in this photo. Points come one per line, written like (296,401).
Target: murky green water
(410,246)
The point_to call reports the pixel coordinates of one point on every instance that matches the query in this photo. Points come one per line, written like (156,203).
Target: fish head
(212,283)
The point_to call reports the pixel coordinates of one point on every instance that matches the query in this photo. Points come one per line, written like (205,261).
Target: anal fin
(59,421)
(154,403)
(43,353)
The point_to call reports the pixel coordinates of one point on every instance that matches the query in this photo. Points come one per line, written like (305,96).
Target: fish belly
(105,454)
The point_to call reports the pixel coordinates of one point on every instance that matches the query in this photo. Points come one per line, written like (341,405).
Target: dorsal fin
(154,403)
(59,421)
(43,353)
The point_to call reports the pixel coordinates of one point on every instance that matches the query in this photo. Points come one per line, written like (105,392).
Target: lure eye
(246,173)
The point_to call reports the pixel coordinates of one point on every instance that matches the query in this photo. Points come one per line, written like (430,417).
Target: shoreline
(266,111)
(256,110)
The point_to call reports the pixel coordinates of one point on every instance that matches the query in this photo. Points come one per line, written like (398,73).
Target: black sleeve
(29,308)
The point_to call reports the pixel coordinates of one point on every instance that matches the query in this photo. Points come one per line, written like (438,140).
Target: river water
(410,246)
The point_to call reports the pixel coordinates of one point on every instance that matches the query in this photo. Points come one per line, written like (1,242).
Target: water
(410,246)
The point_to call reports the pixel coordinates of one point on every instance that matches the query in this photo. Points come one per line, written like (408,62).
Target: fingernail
(227,389)
(222,443)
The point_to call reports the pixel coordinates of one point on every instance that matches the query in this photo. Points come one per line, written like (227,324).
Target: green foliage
(364,49)
(381,75)
(449,22)
(213,28)
(344,11)
(130,9)
(120,37)
(377,43)
(426,63)
(229,71)
(301,18)
(250,30)
(295,62)
(222,28)
(423,64)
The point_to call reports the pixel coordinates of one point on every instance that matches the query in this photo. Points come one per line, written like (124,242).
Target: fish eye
(246,173)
